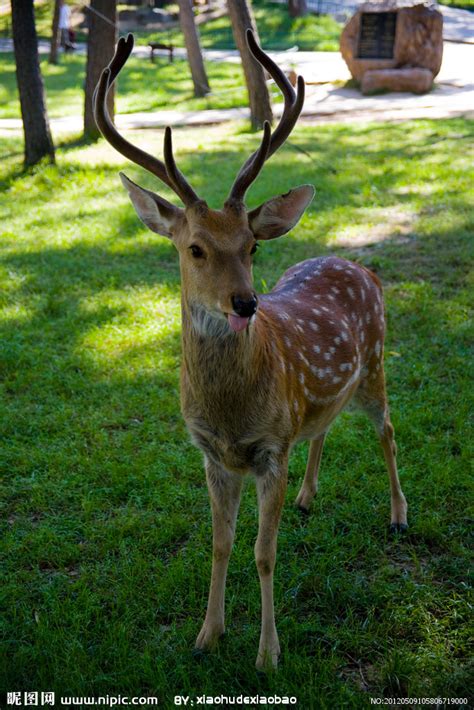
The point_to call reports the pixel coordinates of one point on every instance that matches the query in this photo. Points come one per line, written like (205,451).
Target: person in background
(64,26)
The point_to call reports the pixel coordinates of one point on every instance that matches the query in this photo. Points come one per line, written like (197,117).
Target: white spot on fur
(334,289)
(314,326)
(316,348)
(316,311)
(337,340)
(284,315)
(287,342)
(336,380)
(351,293)
(378,348)
(301,378)
(368,318)
(302,357)
(327,356)
(345,366)
(295,405)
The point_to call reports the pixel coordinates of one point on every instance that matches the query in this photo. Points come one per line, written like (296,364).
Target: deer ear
(158,214)
(280,214)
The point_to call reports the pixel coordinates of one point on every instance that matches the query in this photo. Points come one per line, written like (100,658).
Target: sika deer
(260,372)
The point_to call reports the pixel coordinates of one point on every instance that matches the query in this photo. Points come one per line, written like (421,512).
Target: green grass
(105,523)
(462,4)
(277,30)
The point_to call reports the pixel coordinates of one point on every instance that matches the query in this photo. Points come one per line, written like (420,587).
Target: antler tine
(291,110)
(252,167)
(180,185)
(110,133)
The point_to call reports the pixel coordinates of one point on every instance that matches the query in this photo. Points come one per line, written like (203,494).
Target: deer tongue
(237,323)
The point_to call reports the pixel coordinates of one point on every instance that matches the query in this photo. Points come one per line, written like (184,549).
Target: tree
(193,48)
(102,23)
(53,52)
(297,8)
(38,141)
(242,18)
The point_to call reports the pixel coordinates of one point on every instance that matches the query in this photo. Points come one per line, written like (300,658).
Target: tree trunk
(102,24)
(297,8)
(241,17)
(53,52)
(193,48)
(38,141)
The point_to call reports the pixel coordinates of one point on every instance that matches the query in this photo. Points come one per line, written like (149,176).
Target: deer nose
(243,306)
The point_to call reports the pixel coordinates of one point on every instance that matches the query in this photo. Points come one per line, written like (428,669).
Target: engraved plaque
(377,35)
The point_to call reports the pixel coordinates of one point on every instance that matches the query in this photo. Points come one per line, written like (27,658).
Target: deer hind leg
(310,482)
(271,488)
(224,493)
(373,400)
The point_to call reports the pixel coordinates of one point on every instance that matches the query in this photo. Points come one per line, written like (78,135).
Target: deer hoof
(267,659)
(398,528)
(208,638)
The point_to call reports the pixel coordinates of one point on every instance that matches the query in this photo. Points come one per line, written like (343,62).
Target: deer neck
(214,357)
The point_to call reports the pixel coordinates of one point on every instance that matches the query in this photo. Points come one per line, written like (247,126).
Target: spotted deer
(260,372)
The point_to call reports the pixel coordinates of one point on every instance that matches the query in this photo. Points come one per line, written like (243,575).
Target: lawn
(143,86)
(105,523)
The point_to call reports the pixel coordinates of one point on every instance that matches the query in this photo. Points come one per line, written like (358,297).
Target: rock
(418,41)
(417,80)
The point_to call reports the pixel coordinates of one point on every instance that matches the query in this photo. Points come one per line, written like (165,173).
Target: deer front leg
(224,493)
(271,490)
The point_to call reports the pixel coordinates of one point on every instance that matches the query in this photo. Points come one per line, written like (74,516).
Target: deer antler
(167,172)
(291,111)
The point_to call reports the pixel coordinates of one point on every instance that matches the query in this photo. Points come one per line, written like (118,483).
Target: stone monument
(394,44)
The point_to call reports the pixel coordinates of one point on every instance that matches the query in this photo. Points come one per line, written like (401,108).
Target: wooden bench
(159,45)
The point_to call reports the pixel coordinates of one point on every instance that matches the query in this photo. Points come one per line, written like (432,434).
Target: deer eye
(254,248)
(196,251)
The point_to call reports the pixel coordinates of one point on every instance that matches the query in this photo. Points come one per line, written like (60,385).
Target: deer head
(215,246)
